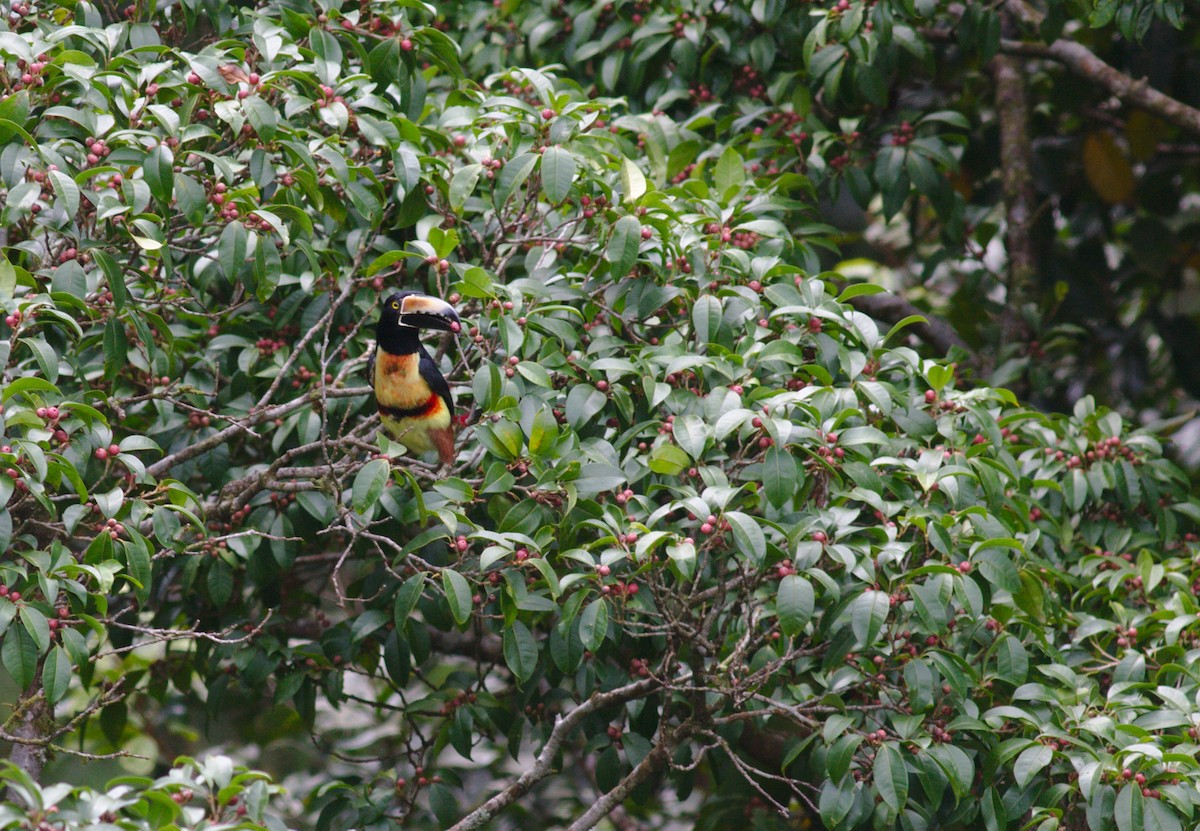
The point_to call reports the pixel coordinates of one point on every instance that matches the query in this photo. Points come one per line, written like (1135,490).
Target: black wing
(371,367)
(433,377)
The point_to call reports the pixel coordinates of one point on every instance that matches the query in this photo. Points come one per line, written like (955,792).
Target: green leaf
(56,674)
(1012,660)
(407,598)
(995,815)
(748,537)
(868,613)
(262,117)
(633,181)
(1161,816)
(597,477)
(443,804)
(558,173)
(520,651)
(957,765)
(463,185)
(231,249)
(219,582)
(19,654)
(513,175)
(67,191)
(891,777)
(1130,808)
(858,290)
(115,346)
(369,483)
(502,439)
(622,250)
(669,460)
(37,626)
(458,595)
(8,613)
(691,434)
(14,109)
(584,402)
(593,624)
(730,172)
(779,475)
(268,268)
(1031,762)
(159,171)
(794,604)
(706,318)
(138,561)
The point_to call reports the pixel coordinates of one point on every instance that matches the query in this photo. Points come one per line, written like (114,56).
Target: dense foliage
(1052,227)
(718,546)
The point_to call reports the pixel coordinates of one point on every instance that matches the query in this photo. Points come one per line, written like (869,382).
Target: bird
(415,406)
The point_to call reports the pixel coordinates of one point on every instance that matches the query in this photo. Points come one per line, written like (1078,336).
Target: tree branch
(1016,172)
(164,464)
(892,308)
(655,759)
(30,734)
(543,764)
(1083,62)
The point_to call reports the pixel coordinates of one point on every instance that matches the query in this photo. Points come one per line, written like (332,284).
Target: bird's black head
(407,311)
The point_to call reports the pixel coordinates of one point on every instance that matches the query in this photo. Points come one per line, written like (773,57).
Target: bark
(1135,92)
(543,765)
(891,308)
(27,729)
(1016,170)
(655,760)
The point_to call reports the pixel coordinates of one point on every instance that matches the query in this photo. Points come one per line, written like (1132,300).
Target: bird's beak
(424,312)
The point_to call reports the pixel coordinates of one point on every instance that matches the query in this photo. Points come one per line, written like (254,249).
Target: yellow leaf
(147,243)
(1107,169)
(1144,132)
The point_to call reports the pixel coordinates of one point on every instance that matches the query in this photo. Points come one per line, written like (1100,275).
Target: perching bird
(413,398)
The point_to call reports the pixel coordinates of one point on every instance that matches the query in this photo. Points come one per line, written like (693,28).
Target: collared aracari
(414,400)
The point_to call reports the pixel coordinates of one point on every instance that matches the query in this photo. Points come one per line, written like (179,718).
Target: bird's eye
(395,305)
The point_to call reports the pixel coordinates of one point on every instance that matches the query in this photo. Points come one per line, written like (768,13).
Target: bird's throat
(397,339)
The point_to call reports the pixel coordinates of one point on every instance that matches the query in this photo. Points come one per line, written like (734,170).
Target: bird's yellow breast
(416,432)
(411,412)
(398,381)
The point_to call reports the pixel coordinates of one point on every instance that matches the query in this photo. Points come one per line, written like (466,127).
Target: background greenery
(733,536)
